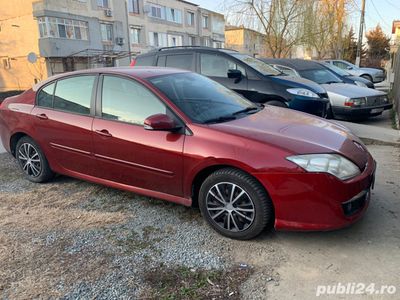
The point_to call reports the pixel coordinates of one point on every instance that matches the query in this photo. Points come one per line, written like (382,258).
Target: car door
(216,66)
(127,153)
(63,124)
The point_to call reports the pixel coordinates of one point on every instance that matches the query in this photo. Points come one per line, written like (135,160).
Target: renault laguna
(179,136)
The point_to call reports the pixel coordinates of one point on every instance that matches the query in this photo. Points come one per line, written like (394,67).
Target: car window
(128,101)
(336,69)
(45,96)
(340,64)
(286,70)
(161,61)
(144,60)
(180,61)
(320,76)
(199,97)
(74,94)
(257,64)
(217,65)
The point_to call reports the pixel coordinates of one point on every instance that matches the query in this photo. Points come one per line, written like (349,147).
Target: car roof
(136,72)
(188,49)
(297,64)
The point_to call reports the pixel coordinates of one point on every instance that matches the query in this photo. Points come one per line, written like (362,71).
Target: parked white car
(372,74)
(347,100)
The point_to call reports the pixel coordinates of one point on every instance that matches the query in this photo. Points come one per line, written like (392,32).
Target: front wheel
(32,161)
(235,204)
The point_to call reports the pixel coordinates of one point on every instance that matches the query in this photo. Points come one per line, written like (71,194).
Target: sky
(376,11)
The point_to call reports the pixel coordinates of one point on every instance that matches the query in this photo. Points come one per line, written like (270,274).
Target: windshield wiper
(247,109)
(329,82)
(220,119)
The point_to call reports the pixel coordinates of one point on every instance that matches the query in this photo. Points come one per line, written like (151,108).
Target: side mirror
(237,74)
(160,122)
(349,68)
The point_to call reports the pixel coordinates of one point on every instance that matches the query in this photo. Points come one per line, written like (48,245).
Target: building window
(205,41)
(103,3)
(157,11)
(135,35)
(205,22)
(191,41)
(106,32)
(174,40)
(158,39)
(190,18)
(174,15)
(133,6)
(6,63)
(63,28)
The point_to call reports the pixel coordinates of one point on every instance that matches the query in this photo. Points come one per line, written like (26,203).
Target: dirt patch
(185,283)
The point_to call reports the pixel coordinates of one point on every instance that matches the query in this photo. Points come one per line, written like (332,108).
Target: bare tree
(280,20)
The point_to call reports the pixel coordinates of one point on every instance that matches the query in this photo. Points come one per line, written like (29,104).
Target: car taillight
(133,62)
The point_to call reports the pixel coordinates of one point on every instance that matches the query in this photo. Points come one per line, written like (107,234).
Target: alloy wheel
(230,207)
(30,160)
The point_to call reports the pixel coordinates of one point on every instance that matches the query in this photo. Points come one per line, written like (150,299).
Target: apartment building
(67,35)
(246,40)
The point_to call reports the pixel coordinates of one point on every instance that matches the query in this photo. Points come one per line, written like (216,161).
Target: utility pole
(360,34)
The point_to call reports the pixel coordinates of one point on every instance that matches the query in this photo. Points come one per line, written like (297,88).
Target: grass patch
(184,283)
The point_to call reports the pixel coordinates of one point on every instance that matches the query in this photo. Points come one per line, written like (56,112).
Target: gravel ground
(71,239)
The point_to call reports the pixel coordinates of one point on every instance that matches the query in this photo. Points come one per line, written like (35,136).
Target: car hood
(363,80)
(297,133)
(351,91)
(300,82)
(371,70)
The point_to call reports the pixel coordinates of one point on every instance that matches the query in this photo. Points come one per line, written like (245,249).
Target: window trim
(99,102)
(55,81)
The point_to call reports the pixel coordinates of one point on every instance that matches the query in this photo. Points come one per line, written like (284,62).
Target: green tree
(378,45)
(350,47)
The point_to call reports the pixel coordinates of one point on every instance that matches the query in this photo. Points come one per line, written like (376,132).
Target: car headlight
(302,92)
(359,83)
(355,102)
(334,164)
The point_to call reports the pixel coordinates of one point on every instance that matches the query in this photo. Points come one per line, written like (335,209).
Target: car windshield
(258,65)
(337,70)
(320,76)
(201,99)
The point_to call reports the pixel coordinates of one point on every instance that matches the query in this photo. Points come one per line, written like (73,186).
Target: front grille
(376,100)
(355,204)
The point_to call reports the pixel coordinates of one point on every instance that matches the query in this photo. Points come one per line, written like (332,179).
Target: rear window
(144,60)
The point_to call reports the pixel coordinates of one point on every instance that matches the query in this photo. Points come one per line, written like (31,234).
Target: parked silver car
(372,74)
(347,100)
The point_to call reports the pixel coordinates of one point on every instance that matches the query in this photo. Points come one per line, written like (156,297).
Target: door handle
(42,116)
(103,132)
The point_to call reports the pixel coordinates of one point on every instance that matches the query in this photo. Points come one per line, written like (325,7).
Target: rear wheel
(32,160)
(235,204)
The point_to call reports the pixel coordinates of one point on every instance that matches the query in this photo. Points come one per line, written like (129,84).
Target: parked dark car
(347,100)
(181,137)
(346,77)
(255,80)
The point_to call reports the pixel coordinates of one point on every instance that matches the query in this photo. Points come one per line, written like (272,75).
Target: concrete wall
(19,36)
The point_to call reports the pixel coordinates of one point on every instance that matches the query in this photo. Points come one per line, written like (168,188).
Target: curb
(369,141)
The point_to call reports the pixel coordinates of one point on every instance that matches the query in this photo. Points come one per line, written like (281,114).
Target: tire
(32,161)
(276,103)
(228,217)
(368,77)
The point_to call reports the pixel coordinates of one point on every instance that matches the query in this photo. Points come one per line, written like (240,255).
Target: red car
(182,137)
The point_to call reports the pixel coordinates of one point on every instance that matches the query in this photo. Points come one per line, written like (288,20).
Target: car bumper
(318,201)
(359,112)
(378,78)
(314,106)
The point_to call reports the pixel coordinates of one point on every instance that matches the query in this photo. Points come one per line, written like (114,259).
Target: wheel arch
(202,174)
(15,137)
